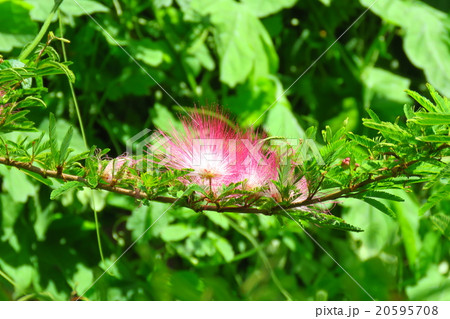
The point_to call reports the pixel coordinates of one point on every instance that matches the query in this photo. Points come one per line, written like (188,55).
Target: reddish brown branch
(164,199)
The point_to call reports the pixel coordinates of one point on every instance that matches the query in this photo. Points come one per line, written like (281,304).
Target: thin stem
(29,49)
(263,257)
(74,97)
(97,228)
(2,274)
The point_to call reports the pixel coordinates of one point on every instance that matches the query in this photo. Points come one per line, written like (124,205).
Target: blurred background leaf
(242,55)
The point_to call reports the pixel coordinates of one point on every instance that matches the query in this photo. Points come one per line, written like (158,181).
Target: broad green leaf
(186,285)
(44,217)
(66,187)
(257,95)
(224,248)
(150,52)
(163,119)
(242,41)
(82,278)
(326,2)
(41,9)
(263,8)
(17,184)
(426,36)
(10,212)
(433,287)
(16,29)
(139,220)
(408,219)
(385,84)
(175,232)
(219,219)
(281,121)
(22,275)
(95,198)
(378,231)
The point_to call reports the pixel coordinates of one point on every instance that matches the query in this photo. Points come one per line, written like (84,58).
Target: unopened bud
(114,166)
(345,162)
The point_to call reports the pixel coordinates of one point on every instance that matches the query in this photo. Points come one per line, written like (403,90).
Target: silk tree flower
(114,170)
(217,152)
(259,168)
(301,193)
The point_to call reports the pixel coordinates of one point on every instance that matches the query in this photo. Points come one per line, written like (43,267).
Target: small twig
(165,199)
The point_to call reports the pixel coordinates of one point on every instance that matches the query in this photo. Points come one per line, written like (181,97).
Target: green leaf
(263,8)
(426,36)
(175,232)
(408,220)
(424,102)
(82,279)
(378,228)
(66,187)
(362,140)
(442,222)
(65,146)
(442,103)
(17,184)
(431,118)
(281,121)
(380,206)
(194,188)
(433,287)
(16,28)
(373,116)
(150,52)
(434,138)
(219,219)
(41,9)
(438,195)
(58,66)
(386,84)
(224,248)
(53,137)
(389,130)
(243,44)
(38,177)
(384,195)
(325,220)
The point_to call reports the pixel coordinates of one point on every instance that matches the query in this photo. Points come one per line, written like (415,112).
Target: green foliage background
(241,55)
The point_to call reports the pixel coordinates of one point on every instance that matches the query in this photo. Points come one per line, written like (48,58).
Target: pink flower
(114,170)
(301,193)
(256,168)
(218,153)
